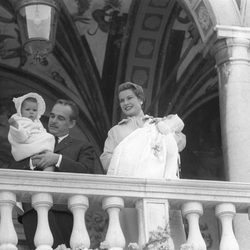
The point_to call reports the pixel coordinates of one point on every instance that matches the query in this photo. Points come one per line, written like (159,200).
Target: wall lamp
(37,21)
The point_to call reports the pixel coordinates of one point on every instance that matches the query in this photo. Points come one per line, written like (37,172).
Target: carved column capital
(192,207)
(112,202)
(231,49)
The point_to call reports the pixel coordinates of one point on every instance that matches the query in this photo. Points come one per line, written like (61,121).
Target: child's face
(29,110)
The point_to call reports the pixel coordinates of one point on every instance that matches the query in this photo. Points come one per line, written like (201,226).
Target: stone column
(232,59)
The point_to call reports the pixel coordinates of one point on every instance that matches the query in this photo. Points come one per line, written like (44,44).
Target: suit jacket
(77,156)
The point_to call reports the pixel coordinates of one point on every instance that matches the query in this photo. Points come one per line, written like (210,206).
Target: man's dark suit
(77,157)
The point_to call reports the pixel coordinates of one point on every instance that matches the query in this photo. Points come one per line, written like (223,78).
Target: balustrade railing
(152,198)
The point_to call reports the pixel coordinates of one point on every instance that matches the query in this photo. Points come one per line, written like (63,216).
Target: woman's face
(130,103)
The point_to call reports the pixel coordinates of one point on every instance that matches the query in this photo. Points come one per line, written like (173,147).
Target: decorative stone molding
(152,215)
(203,17)
(224,31)
(225,72)
(204,20)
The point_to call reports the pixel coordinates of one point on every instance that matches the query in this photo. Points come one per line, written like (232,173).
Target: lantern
(37,21)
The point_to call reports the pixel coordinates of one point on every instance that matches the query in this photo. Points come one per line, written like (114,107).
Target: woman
(144,147)
(139,144)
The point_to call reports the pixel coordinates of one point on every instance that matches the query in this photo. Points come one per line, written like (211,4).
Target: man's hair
(137,89)
(75,111)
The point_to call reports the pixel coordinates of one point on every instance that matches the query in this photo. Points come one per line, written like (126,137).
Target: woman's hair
(75,111)
(137,89)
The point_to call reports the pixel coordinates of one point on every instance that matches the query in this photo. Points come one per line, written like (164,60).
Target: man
(70,155)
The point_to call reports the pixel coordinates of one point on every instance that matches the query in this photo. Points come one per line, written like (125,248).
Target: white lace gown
(148,152)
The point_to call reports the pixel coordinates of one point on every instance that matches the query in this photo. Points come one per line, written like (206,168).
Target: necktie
(56,141)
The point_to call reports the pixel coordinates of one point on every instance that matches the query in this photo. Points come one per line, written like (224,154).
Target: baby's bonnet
(40,103)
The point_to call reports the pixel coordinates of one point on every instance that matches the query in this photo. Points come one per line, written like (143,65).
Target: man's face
(59,120)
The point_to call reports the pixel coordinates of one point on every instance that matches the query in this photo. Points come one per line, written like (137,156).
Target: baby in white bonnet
(27,135)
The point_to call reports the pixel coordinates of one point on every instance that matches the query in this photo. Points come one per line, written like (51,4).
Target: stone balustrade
(191,197)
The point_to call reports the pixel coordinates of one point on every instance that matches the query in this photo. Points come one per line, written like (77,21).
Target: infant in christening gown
(150,151)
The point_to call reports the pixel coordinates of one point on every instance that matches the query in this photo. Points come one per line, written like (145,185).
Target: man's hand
(44,160)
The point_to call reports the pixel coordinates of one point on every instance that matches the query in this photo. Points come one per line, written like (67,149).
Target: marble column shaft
(232,59)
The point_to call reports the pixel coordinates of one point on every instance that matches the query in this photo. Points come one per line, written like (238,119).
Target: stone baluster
(43,239)
(8,236)
(192,211)
(226,212)
(114,238)
(142,237)
(78,205)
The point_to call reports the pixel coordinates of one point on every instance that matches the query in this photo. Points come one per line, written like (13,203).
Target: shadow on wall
(205,165)
(202,158)
(6,109)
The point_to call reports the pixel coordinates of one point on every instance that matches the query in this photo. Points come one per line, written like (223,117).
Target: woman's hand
(180,140)
(163,127)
